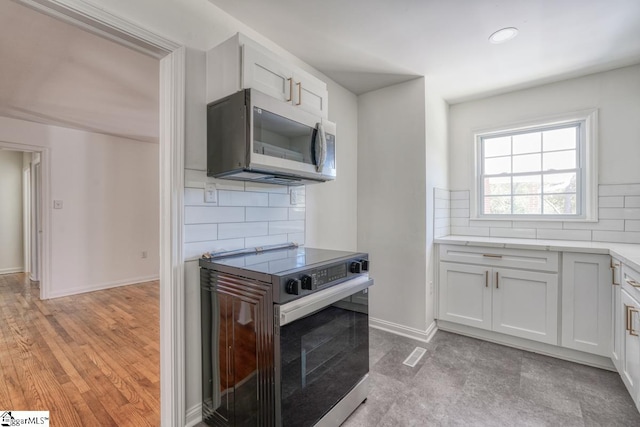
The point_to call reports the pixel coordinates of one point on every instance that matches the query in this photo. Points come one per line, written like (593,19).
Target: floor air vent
(415,357)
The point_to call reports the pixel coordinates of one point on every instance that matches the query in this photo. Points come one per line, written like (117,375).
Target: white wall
(11,230)
(110,193)
(437,174)
(616,95)
(392,201)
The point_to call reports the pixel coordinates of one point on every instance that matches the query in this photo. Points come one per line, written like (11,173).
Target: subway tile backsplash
(245,215)
(619,219)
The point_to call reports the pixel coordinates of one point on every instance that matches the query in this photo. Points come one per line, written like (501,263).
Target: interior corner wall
(110,215)
(392,202)
(11,229)
(437,173)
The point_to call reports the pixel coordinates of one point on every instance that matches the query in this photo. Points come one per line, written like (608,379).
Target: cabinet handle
(613,274)
(290,89)
(299,93)
(630,321)
(486,279)
(492,256)
(497,280)
(632,283)
(626,316)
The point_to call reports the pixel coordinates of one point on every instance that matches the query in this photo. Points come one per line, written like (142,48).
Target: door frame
(171,146)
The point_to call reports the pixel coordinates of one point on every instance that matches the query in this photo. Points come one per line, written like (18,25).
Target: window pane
(526,205)
(497,165)
(526,163)
(559,204)
(497,186)
(528,184)
(560,183)
(497,146)
(559,160)
(559,139)
(527,143)
(497,205)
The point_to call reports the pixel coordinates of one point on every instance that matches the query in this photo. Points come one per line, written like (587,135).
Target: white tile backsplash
(213,214)
(245,215)
(619,213)
(200,232)
(611,202)
(243,229)
(632,202)
(242,198)
(517,233)
(553,234)
(619,219)
(619,190)
(267,214)
(617,236)
(282,227)
(251,242)
(279,200)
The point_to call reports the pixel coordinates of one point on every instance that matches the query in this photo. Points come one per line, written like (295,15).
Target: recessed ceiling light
(503,35)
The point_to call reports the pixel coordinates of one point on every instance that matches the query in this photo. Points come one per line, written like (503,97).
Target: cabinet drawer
(631,281)
(501,257)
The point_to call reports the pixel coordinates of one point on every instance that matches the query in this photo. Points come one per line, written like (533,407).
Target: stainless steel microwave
(254,137)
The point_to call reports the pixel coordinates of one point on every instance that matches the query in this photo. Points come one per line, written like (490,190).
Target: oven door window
(323,356)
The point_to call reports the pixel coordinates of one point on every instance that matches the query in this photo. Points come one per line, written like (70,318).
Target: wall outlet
(210,193)
(293,194)
(144,254)
(57,204)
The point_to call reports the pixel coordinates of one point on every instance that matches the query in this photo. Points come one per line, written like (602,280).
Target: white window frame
(587,191)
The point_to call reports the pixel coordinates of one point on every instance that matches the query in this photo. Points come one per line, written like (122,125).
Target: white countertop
(627,253)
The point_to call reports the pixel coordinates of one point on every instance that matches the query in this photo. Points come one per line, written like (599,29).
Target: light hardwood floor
(91,359)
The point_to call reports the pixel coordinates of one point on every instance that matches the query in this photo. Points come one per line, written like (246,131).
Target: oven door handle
(302,307)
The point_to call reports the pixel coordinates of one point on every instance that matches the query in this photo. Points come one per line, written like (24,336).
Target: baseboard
(194,415)
(528,345)
(101,286)
(11,270)
(405,331)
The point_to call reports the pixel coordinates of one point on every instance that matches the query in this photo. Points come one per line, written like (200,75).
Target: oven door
(321,351)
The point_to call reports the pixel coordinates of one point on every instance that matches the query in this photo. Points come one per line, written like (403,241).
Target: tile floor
(462,381)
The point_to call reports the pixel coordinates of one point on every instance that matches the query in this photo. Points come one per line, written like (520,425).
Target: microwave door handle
(321,147)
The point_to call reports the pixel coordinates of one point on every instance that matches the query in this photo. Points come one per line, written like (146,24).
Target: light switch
(210,193)
(57,204)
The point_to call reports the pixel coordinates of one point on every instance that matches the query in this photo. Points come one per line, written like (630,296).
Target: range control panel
(315,279)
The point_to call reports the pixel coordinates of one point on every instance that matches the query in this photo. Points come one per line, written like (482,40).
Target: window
(541,171)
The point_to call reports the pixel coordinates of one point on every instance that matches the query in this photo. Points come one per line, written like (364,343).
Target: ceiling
(55,73)
(368,44)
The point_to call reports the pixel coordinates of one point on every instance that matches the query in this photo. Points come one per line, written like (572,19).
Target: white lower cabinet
(587,303)
(513,302)
(630,351)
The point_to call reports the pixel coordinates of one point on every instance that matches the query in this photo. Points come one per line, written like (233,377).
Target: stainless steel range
(285,337)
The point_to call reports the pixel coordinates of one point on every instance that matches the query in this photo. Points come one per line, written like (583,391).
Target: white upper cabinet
(586,303)
(268,75)
(240,63)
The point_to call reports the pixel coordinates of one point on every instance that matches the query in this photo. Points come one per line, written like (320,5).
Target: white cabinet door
(310,94)
(630,371)
(266,74)
(525,304)
(465,295)
(617,321)
(586,303)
